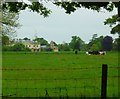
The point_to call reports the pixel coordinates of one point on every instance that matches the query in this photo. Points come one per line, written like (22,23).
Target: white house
(34,46)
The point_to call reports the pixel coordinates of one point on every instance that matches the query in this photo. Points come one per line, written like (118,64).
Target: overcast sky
(60,26)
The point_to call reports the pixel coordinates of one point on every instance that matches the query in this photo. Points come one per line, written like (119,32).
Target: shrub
(7,48)
(18,47)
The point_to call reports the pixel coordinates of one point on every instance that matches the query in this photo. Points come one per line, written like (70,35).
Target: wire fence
(63,82)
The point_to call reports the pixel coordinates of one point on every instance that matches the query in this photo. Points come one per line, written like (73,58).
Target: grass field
(57,74)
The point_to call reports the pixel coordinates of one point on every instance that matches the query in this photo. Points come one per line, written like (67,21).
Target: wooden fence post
(104,81)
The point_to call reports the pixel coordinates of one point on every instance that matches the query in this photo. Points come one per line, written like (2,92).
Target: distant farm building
(53,46)
(34,46)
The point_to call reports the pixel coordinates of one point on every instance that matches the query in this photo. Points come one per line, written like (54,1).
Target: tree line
(96,43)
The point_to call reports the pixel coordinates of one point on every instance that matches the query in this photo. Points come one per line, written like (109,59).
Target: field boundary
(60,91)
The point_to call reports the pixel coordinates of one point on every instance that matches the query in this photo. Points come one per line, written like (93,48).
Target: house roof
(52,42)
(26,42)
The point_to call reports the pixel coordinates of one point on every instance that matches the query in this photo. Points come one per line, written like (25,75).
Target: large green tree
(9,22)
(95,43)
(41,41)
(64,47)
(107,43)
(34,6)
(68,6)
(113,22)
(76,43)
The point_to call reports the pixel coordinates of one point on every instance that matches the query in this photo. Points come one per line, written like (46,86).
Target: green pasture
(57,74)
